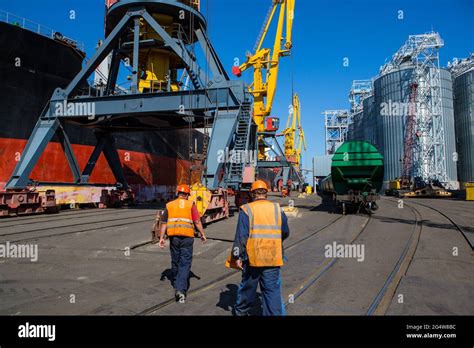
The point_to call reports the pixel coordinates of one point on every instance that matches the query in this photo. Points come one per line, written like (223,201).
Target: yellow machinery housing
(212,206)
(159,67)
(201,197)
(469,191)
(395,184)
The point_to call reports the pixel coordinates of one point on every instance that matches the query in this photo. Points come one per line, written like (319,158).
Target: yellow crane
(294,144)
(265,63)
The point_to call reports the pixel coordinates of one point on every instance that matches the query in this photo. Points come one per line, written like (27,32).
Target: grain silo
(463,85)
(369,123)
(413,78)
(391,98)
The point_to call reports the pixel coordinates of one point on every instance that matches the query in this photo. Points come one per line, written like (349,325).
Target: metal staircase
(241,151)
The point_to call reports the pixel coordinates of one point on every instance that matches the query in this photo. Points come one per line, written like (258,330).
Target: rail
(37,28)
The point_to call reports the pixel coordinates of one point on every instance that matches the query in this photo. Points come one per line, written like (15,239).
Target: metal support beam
(278,152)
(129,104)
(271,164)
(223,131)
(113,72)
(41,136)
(100,54)
(136,51)
(105,144)
(286,176)
(113,159)
(67,148)
(218,70)
(94,157)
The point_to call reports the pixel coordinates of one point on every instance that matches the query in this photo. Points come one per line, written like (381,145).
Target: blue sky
(367,32)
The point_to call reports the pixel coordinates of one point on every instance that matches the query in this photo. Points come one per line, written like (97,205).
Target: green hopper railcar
(356,177)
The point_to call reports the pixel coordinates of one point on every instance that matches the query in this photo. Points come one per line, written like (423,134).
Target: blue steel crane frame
(221,100)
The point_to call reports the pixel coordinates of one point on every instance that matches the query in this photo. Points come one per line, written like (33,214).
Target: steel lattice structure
(458,68)
(336,123)
(429,150)
(360,90)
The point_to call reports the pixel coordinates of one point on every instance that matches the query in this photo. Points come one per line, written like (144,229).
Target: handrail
(37,28)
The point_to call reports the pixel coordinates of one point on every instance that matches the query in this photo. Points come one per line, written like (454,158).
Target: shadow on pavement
(228,298)
(168,275)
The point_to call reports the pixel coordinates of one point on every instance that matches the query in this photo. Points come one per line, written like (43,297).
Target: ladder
(409,141)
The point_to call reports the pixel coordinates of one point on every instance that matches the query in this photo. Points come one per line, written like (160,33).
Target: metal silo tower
(429,146)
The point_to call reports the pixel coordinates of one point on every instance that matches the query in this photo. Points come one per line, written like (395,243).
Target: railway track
(447,217)
(155,308)
(381,301)
(116,222)
(313,278)
(5,222)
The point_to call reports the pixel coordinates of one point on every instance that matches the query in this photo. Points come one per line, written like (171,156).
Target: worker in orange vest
(258,252)
(178,220)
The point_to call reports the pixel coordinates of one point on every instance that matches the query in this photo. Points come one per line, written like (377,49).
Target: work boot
(180,296)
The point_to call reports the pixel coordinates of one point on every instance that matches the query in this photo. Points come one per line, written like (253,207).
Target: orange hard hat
(259,184)
(184,189)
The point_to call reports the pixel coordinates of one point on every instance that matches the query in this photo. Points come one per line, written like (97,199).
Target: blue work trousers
(181,260)
(270,286)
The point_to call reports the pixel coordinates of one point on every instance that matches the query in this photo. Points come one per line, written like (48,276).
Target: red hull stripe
(140,168)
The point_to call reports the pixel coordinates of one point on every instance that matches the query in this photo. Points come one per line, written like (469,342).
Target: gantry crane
(151,37)
(265,63)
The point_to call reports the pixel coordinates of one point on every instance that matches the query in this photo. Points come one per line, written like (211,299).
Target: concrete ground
(85,265)
(440,279)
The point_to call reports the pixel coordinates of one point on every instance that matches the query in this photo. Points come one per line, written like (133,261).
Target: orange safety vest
(180,222)
(264,246)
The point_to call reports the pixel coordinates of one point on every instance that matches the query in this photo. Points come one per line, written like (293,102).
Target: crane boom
(265,62)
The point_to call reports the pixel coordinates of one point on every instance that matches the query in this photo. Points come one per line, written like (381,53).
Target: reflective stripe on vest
(180,221)
(264,246)
(270,236)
